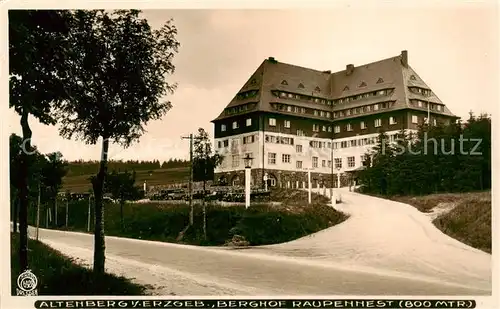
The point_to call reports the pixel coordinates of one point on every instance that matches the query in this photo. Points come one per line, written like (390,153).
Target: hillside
(81,183)
(463,216)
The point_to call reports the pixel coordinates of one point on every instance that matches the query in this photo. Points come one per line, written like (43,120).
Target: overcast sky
(455,51)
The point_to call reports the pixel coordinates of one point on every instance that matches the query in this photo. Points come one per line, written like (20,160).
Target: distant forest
(81,167)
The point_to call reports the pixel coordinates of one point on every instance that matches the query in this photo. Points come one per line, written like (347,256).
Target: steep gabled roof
(392,73)
(253,83)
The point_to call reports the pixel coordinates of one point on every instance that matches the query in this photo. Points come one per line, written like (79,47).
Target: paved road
(384,248)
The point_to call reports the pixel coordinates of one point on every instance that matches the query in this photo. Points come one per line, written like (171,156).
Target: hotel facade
(292,120)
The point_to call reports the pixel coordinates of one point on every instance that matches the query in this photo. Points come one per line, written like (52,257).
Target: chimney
(404,58)
(327,72)
(272,60)
(349,69)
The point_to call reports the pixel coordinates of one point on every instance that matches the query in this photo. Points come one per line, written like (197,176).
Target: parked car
(178,194)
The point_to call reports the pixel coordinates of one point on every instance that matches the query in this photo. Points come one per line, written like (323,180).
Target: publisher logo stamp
(26,284)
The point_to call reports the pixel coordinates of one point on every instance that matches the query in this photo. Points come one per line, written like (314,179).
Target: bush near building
(261,224)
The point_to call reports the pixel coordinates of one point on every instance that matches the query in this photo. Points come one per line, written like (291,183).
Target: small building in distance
(291,119)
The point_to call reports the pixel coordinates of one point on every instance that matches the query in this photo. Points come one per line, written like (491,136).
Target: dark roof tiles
(383,74)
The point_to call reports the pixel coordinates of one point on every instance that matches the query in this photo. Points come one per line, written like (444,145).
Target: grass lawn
(261,224)
(165,176)
(58,275)
(469,221)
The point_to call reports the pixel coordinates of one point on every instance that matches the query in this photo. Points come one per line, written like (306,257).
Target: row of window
(301,110)
(300,86)
(247,94)
(357,142)
(362,109)
(279,140)
(363,96)
(317,89)
(272,159)
(249,139)
(422,91)
(424,104)
(287,158)
(236,125)
(317,128)
(311,99)
(338,114)
(240,109)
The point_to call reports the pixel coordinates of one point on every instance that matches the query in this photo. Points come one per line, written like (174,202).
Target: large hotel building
(292,120)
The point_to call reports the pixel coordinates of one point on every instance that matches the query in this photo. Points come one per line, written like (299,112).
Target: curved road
(384,248)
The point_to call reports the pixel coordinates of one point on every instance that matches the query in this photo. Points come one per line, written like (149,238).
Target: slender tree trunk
(67,211)
(23,193)
(47,216)
(204,212)
(55,211)
(121,214)
(99,245)
(38,213)
(191,206)
(15,213)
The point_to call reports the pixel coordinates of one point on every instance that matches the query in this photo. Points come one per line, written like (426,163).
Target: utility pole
(38,212)
(190,187)
(67,209)
(55,210)
(332,197)
(88,215)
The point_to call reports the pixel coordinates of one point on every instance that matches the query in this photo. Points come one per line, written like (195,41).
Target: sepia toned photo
(335,152)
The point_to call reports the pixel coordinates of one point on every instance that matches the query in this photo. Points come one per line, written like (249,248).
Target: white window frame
(314,162)
(286,158)
(392,120)
(298,148)
(351,161)
(338,163)
(378,123)
(271,158)
(235,125)
(223,128)
(272,122)
(349,127)
(236,160)
(286,124)
(363,125)
(414,119)
(337,129)
(249,122)
(298,164)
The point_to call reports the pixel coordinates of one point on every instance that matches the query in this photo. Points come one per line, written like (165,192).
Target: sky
(453,48)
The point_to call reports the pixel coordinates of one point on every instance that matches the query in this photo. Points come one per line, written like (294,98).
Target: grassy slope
(158,177)
(469,222)
(260,224)
(58,275)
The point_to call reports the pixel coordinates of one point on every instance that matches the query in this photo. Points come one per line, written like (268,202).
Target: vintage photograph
(251,152)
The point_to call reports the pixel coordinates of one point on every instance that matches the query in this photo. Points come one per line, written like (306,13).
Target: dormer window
(253,81)
(317,89)
(301,86)
(380,80)
(346,88)
(284,82)
(363,84)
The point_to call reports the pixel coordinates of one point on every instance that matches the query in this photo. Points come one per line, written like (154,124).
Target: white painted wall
(306,156)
